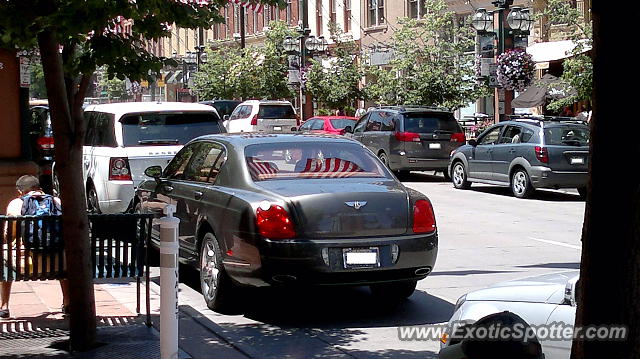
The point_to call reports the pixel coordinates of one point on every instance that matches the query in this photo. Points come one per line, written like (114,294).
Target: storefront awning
(174,77)
(555,50)
(548,87)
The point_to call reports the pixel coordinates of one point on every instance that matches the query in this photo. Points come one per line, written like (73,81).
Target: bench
(119,248)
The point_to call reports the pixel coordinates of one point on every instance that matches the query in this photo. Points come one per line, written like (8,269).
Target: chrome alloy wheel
(519,183)
(458,175)
(209,270)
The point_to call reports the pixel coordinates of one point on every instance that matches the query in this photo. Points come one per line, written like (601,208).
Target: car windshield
(276,111)
(311,160)
(567,135)
(174,128)
(341,123)
(426,123)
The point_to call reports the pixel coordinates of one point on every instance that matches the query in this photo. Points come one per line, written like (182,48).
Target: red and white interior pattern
(261,170)
(329,168)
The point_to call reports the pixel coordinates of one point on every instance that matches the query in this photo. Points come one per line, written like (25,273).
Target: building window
(267,16)
(332,11)
(289,13)
(376,12)
(347,15)
(319,26)
(236,18)
(226,22)
(273,12)
(254,23)
(416,9)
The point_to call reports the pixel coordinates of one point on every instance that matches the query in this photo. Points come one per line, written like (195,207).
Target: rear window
(567,135)
(311,160)
(276,111)
(341,123)
(174,128)
(427,123)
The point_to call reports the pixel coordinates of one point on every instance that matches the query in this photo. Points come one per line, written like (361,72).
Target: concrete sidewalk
(38,328)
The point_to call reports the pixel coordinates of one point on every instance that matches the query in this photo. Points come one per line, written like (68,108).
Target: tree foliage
(255,72)
(336,82)
(577,75)
(431,64)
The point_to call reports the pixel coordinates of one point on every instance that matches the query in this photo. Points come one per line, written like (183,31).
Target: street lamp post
(301,47)
(518,22)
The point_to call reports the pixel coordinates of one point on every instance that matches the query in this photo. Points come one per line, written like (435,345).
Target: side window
(387,121)
(512,134)
(491,137)
(89,118)
(104,130)
(307,125)
(175,169)
(375,122)
(317,125)
(527,135)
(238,113)
(246,112)
(202,162)
(221,158)
(361,124)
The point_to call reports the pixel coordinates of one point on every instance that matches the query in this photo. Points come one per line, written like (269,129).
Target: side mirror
(570,292)
(225,118)
(295,129)
(473,142)
(348,129)
(153,172)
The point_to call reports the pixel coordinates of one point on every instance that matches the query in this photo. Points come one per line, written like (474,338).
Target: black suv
(410,138)
(525,154)
(224,107)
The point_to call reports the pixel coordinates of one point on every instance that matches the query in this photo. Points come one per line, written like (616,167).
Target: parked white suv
(262,116)
(123,139)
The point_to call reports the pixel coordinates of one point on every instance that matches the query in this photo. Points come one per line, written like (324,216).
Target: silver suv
(410,138)
(526,154)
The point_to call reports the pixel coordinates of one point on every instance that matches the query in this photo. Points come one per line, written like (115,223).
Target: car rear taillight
(119,169)
(45,143)
(459,137)
(542,154)
(424,221)
(274,222)
(408,136)
(254,120)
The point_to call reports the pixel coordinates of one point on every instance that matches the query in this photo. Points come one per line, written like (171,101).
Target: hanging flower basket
(515,70)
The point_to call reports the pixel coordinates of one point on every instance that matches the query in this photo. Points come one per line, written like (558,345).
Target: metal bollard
(169,284)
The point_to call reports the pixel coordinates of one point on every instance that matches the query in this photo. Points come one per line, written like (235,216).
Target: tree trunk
(610,269)
(66,116)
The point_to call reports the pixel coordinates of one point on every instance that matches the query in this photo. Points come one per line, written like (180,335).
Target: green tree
(74,38)
(430,64)
(37,88)
(577,75)
(216,80)
(116,89)
(337,85)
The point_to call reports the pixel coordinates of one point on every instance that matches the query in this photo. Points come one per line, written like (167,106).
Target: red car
(334,125)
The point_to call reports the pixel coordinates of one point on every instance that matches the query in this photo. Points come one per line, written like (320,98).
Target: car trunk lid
(359,208)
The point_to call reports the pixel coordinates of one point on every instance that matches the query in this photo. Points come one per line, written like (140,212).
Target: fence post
(169,284)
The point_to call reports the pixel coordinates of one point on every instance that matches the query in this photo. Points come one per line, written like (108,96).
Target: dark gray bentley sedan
(330,213)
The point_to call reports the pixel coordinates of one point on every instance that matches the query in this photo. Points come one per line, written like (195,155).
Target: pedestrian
(29,190)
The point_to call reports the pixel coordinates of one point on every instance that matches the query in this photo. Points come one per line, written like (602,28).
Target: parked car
(525,154)
(336,216)
(540,300)
(224,107)
(262,116)
(122,139)
(40,140)
(410,138)
(332,125)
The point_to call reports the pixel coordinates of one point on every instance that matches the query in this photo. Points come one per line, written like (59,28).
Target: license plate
(277,128)
(361,257)
(435,146)
(577,161)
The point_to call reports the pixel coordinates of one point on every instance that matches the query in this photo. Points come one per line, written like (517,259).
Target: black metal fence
(32,248)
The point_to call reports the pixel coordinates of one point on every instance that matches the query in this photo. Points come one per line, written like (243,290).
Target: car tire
(55,185)
(459,177)
(384,159)
(521,184)
(582,191)
(394,291)
(447,176)
(215,284)
(93,204)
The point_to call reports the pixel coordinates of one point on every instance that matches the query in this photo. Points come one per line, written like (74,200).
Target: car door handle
(86,163)
(167,189)
(197,195)
(512,150)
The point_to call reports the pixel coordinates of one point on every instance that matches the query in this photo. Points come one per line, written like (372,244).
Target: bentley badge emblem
(356,204)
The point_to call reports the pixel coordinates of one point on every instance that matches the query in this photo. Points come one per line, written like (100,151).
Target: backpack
(32,235)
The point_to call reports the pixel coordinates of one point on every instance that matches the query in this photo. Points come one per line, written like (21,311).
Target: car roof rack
(542,118)
(409,107)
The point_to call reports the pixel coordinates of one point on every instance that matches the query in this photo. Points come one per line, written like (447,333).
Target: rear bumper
(544,177)
(399,162)
(302,261)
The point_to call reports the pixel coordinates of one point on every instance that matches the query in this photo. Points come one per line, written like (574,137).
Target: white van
(262,116)
(123,139)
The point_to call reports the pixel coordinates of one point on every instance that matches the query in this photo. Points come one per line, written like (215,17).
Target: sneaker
(4,313)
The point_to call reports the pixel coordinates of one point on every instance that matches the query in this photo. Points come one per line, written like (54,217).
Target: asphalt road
(486,236)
